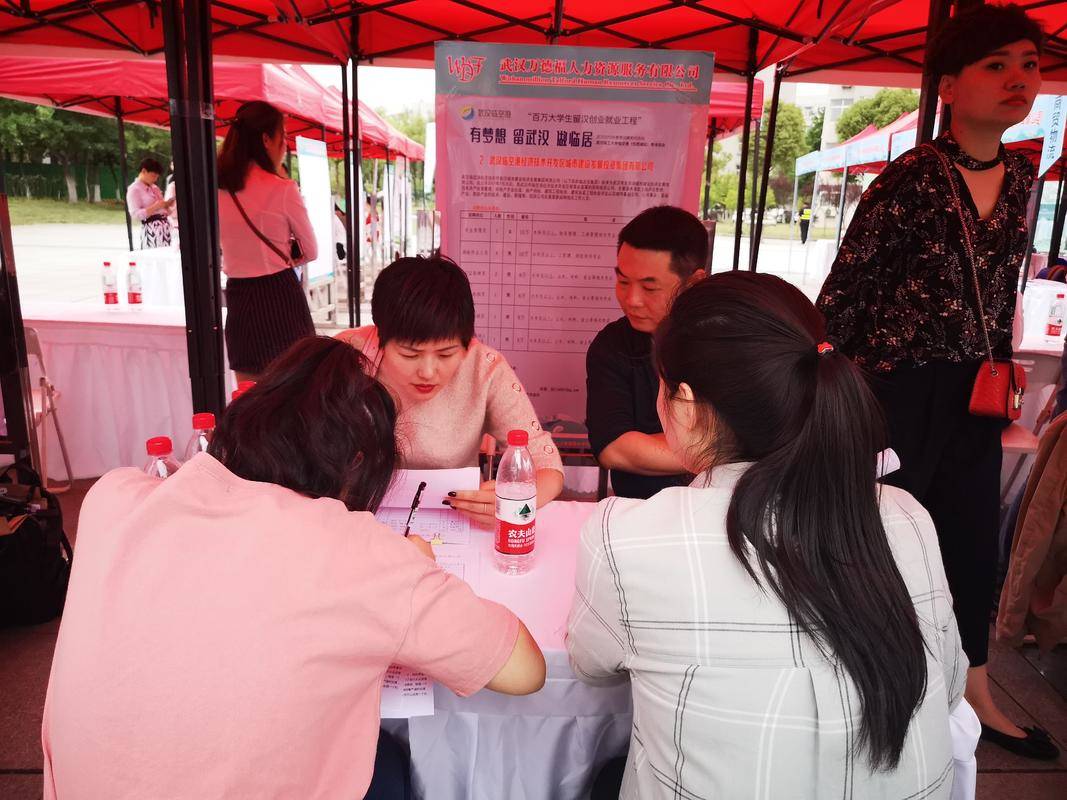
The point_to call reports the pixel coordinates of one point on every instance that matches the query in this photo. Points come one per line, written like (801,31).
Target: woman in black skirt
(264,231)
(901,300)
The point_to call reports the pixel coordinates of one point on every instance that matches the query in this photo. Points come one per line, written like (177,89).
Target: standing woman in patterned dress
(900,300)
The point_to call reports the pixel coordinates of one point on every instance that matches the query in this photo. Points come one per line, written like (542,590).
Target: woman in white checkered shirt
(785,622)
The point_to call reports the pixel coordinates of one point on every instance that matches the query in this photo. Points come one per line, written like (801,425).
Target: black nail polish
(451,494)
(446,503)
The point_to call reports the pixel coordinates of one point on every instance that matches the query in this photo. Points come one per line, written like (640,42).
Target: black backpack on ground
(35,554)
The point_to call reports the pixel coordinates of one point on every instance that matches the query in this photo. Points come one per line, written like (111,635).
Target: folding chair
(44,406)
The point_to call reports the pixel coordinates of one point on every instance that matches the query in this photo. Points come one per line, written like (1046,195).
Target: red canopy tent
(137,90)
(887,48)
(745,35)
(726,114)
(403,31)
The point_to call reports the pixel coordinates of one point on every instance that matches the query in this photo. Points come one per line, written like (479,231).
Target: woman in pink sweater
(451,388)
(227,630)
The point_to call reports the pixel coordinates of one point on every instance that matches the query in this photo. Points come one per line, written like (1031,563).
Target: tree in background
(813,137)
(31,134)
(790,142)
(880,110)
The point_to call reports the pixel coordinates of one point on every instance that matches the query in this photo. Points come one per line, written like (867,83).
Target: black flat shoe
(1036,743)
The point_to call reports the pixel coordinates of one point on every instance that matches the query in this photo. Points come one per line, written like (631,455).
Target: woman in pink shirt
(451,388)
(264,231)
(227,630)
(146,202)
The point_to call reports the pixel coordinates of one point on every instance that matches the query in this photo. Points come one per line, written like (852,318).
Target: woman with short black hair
(923,292)
(451,388)
(264,232)
(227,630)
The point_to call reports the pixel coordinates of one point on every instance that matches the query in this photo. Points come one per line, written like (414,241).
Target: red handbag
(999,385)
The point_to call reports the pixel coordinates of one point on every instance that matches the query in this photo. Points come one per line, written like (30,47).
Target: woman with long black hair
(785,624)
(923,292)
(264,231)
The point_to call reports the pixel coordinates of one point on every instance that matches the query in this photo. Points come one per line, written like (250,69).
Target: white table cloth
(122,376)
(547,745)
(551,744)
(161,275)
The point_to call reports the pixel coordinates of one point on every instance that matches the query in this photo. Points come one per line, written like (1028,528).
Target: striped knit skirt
(264,316)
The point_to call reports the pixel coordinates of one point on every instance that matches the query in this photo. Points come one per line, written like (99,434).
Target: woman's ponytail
(804,519)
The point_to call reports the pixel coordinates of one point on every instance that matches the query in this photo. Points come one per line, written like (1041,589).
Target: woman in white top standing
(264,231)
(785,623)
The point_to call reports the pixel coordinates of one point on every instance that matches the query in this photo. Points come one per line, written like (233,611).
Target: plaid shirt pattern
(730,697)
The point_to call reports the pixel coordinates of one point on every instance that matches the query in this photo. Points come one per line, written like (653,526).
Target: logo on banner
(465,68)
(467,113)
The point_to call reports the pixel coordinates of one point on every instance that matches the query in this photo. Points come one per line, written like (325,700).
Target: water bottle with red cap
(161,463)
(111,285)
(516,506)
(203,430)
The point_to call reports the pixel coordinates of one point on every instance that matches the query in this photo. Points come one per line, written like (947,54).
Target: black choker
(965,160)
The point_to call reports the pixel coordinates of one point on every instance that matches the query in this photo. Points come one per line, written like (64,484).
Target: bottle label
(133,298)
(111,298)
(515,526)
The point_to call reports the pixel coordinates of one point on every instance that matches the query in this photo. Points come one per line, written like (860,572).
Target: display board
(544,153)
(315,189)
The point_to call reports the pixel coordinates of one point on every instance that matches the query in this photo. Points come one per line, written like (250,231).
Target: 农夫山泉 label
(515,525)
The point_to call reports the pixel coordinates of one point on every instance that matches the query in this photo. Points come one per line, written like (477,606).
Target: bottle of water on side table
(111,285)
(516,507)
(133,284)
(161,463)
(203,430)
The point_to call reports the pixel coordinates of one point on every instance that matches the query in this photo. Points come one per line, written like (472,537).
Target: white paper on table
(432,521)
(406,693)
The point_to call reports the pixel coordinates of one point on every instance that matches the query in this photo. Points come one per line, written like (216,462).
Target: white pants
(965,729)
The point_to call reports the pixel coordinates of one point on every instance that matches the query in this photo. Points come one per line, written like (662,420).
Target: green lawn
(37,211)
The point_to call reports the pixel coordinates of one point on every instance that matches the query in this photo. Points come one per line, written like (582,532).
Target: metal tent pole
(355,287)
(1035,207)
(707,168)
(346,154)
(1057,225)
(753,42)
(124,168)
(841,204)
(924,129)
(753,258)
(187,44)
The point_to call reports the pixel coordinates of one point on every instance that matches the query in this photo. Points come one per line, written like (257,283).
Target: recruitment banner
(544,153)
(315,189)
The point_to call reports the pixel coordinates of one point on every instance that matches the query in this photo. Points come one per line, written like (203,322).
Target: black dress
(899,300)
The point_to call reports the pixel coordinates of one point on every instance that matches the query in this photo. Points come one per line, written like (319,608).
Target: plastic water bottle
(161,463)
(1055,318)
(516,507)
(111,284)
(133,284)
(203,429)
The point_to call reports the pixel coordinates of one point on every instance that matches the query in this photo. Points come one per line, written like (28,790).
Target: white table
(161,275)
(550,744)
(123,377)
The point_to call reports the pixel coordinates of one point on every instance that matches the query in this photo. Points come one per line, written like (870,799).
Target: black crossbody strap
(259,233)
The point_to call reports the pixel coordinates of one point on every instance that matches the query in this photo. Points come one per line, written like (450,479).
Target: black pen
(414,507)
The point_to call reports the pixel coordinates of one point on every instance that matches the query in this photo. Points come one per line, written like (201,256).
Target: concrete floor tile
(21,787)
(1022,786)
(25,662)
(1019,679)
(1051,665)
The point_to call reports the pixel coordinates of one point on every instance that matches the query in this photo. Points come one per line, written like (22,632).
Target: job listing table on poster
(542,282)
